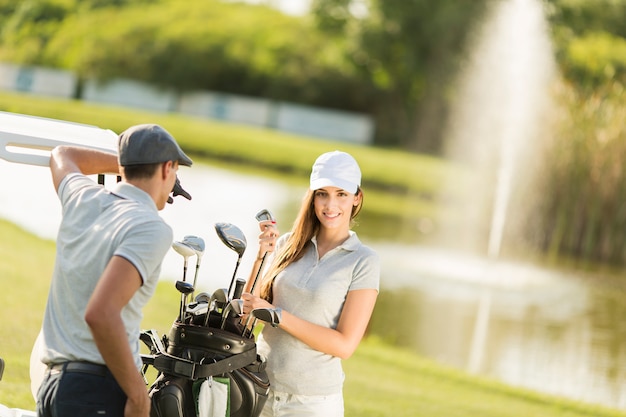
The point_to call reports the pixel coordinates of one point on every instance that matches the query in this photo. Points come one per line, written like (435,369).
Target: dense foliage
(388,62)
(590,40)
(393,59)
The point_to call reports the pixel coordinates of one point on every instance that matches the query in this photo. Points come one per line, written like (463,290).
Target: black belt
(83,367)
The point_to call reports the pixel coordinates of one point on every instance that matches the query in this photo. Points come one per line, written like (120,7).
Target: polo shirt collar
(130,192)
(351,244)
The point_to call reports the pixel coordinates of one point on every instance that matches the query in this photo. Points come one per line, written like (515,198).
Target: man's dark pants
(80,389)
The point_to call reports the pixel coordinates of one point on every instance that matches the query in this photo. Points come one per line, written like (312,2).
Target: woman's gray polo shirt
(97,225)
(315,290)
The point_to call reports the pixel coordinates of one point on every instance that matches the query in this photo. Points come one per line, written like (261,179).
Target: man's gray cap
(149,144)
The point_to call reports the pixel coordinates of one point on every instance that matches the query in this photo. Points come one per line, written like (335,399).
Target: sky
(292,7)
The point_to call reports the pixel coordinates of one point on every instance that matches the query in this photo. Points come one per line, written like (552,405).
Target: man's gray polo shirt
(97,225)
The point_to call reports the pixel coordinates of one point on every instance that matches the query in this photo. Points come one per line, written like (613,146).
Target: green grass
(382,380)
(278,151)
(386,381)
(397,184)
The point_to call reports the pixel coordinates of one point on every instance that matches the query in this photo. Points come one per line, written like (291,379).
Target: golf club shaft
(195,276)
(183,299)
(258,273)
(232,280)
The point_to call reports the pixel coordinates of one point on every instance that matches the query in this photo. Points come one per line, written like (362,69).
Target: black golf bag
(208,341)
(193,352)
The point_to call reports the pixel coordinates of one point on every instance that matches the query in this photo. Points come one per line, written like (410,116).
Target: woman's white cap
(336,169)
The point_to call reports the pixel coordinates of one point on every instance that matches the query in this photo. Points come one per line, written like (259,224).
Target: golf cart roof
(28,139)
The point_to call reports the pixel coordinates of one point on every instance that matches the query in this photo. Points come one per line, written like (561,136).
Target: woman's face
(333,207)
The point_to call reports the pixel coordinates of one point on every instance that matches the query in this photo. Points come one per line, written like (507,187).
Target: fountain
(498,120)
(496,126)
(474,301)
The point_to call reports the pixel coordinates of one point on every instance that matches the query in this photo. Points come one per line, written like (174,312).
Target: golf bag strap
(173,365)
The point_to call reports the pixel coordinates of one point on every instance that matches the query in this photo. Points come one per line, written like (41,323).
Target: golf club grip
(239,288)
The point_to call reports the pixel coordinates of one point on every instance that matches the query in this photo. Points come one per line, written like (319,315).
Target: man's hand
(139,407)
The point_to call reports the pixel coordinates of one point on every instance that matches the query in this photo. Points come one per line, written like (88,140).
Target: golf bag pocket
(172,397)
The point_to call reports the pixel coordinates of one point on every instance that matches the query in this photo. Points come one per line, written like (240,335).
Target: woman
(322,283)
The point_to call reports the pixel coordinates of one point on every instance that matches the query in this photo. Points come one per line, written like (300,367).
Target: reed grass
(581,210)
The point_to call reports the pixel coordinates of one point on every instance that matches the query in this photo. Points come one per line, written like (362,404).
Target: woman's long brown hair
(304,228)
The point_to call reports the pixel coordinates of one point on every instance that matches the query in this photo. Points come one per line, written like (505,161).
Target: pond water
(548,331)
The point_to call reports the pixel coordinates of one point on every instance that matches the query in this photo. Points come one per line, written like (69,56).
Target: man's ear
(166,167)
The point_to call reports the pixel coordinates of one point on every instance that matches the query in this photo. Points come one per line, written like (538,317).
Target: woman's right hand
(268,236)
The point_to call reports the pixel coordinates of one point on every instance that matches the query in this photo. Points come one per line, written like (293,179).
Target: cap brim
(184,159)
(327,182)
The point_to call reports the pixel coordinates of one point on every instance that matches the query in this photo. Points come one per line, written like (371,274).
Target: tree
(410,51)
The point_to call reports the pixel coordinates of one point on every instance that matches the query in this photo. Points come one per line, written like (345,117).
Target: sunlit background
(514,268)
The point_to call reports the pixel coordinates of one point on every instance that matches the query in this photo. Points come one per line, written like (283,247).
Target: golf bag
(208,345)
(193,353)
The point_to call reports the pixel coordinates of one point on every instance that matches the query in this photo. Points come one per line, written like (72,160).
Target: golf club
(154,341)
(234,307)
(261,216)
(200,305)
(185,289)
(263,314)
(203,297)
(239,284)
(197,244)
(186,251)
(218,298)
(196,309)
(233,238)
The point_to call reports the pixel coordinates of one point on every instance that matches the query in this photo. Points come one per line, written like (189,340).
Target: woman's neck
(329,239)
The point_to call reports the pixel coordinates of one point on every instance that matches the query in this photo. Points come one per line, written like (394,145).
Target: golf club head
(196,243)
(219,296)
(197,309)
(263,314)
(264,215)
(203,297)
(237,307)
(232,309)
(183,249)
(218,300)
(184,287)
(232,237)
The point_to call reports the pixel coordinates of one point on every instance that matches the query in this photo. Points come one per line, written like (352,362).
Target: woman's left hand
(252,302)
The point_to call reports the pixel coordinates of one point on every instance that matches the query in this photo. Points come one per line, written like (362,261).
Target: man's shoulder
(75,180)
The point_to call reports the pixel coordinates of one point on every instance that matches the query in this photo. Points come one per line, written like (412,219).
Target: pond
(550,331)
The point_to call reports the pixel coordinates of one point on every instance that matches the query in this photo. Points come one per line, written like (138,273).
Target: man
(110,247)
